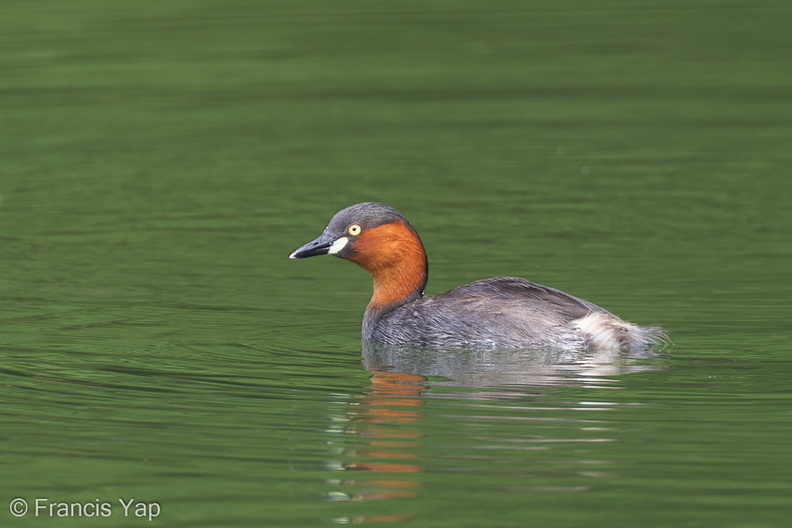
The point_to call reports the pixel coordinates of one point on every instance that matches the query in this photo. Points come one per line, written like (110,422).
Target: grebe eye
(354,230)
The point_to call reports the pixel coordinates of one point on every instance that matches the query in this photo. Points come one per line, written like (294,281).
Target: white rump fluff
(608,332)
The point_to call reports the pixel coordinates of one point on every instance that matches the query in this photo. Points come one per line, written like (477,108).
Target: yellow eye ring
(354,230)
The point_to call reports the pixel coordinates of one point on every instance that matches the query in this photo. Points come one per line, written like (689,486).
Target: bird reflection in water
(381,420)
(383,442)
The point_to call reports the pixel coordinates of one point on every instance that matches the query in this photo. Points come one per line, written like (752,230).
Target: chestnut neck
(395,257)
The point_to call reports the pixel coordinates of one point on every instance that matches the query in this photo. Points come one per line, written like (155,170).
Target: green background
(159,161)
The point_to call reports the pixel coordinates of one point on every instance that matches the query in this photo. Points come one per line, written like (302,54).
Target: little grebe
(502,312)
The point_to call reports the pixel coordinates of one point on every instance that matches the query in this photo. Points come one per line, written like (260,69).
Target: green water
(161,159)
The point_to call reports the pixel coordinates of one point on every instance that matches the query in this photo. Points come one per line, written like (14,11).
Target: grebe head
(379,239)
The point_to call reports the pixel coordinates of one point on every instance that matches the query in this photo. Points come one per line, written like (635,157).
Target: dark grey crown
(366,215)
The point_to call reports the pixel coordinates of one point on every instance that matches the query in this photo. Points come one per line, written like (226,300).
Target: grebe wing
(519,294)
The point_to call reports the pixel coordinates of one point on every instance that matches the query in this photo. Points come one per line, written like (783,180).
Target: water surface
(161,160)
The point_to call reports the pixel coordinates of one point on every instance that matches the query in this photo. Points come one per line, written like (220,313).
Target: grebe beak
(324,245)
